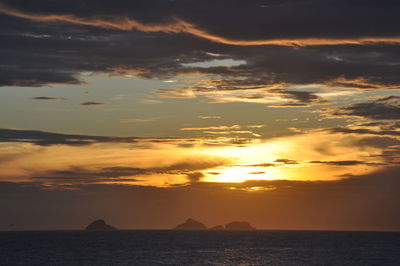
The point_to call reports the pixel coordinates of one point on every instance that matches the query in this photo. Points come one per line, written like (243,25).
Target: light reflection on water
(199,248)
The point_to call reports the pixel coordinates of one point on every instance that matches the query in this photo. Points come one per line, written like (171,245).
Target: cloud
(257,173)
(43,138)
(262,165)
(286,105)
(384,108)
(255,126)
(361,131)
(195,177)
(276,163)
(219,93)
(133,175)
(209,117)
(339,163)
(300,96)
(181,17)
(43,49)
(47,138)
(286,161)
(48,98)
(67,159)
(211,128)
(92,103)
(382,125)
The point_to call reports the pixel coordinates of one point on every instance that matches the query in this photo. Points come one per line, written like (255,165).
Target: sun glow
(245,164)
(286,159)
(239,174)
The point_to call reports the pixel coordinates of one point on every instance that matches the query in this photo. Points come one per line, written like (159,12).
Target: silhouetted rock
(239,226)
(217,227)
(100,225)
(191,224)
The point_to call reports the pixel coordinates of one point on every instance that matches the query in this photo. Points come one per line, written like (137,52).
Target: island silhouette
(100,225)
(191,224)
(237,226)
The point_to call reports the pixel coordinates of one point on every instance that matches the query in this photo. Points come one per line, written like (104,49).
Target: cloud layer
(47,43)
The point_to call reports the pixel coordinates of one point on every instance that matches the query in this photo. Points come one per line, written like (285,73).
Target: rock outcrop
(100,225)
(239,226)
(191,224)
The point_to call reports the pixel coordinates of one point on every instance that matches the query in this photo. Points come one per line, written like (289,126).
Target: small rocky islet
(100,225)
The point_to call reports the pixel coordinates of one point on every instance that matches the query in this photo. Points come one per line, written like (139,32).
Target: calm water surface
(199,248)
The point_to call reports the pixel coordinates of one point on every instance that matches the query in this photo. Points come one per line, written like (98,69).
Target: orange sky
(147,113)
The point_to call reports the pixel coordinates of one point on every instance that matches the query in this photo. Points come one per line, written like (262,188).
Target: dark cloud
(257,173)
(339,163)
(347,130)
(278,162)
(300,96)
(262,165)
(46,138)
(92,103)
(78,175)
(382,125)
(286,105)
(385,108)
(37,53)
(195,177)
(286,161)
(325,19)
(48,98)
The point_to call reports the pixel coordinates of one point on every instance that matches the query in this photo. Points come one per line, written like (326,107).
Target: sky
(285,114)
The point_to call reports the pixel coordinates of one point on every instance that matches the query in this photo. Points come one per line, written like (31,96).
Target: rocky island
(191,224)
(100,225)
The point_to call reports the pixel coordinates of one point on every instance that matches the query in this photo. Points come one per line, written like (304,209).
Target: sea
(168,247)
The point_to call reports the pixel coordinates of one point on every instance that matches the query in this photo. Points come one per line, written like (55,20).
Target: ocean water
(199,248)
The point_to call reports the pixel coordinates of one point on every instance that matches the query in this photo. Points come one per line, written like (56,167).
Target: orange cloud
(211,128)
(180,26)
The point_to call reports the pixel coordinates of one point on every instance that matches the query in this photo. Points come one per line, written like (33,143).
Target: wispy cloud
(92,103)
(209,117)
(48,98)
(211,128)
(255,126)
(383,108)
(136,120)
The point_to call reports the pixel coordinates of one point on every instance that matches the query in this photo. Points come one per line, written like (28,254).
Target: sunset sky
(282,113)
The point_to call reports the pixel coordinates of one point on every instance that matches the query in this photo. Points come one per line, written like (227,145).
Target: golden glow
(299,157)
(253,189)
(238,174)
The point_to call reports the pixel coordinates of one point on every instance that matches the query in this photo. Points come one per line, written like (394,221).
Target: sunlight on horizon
(239,174)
